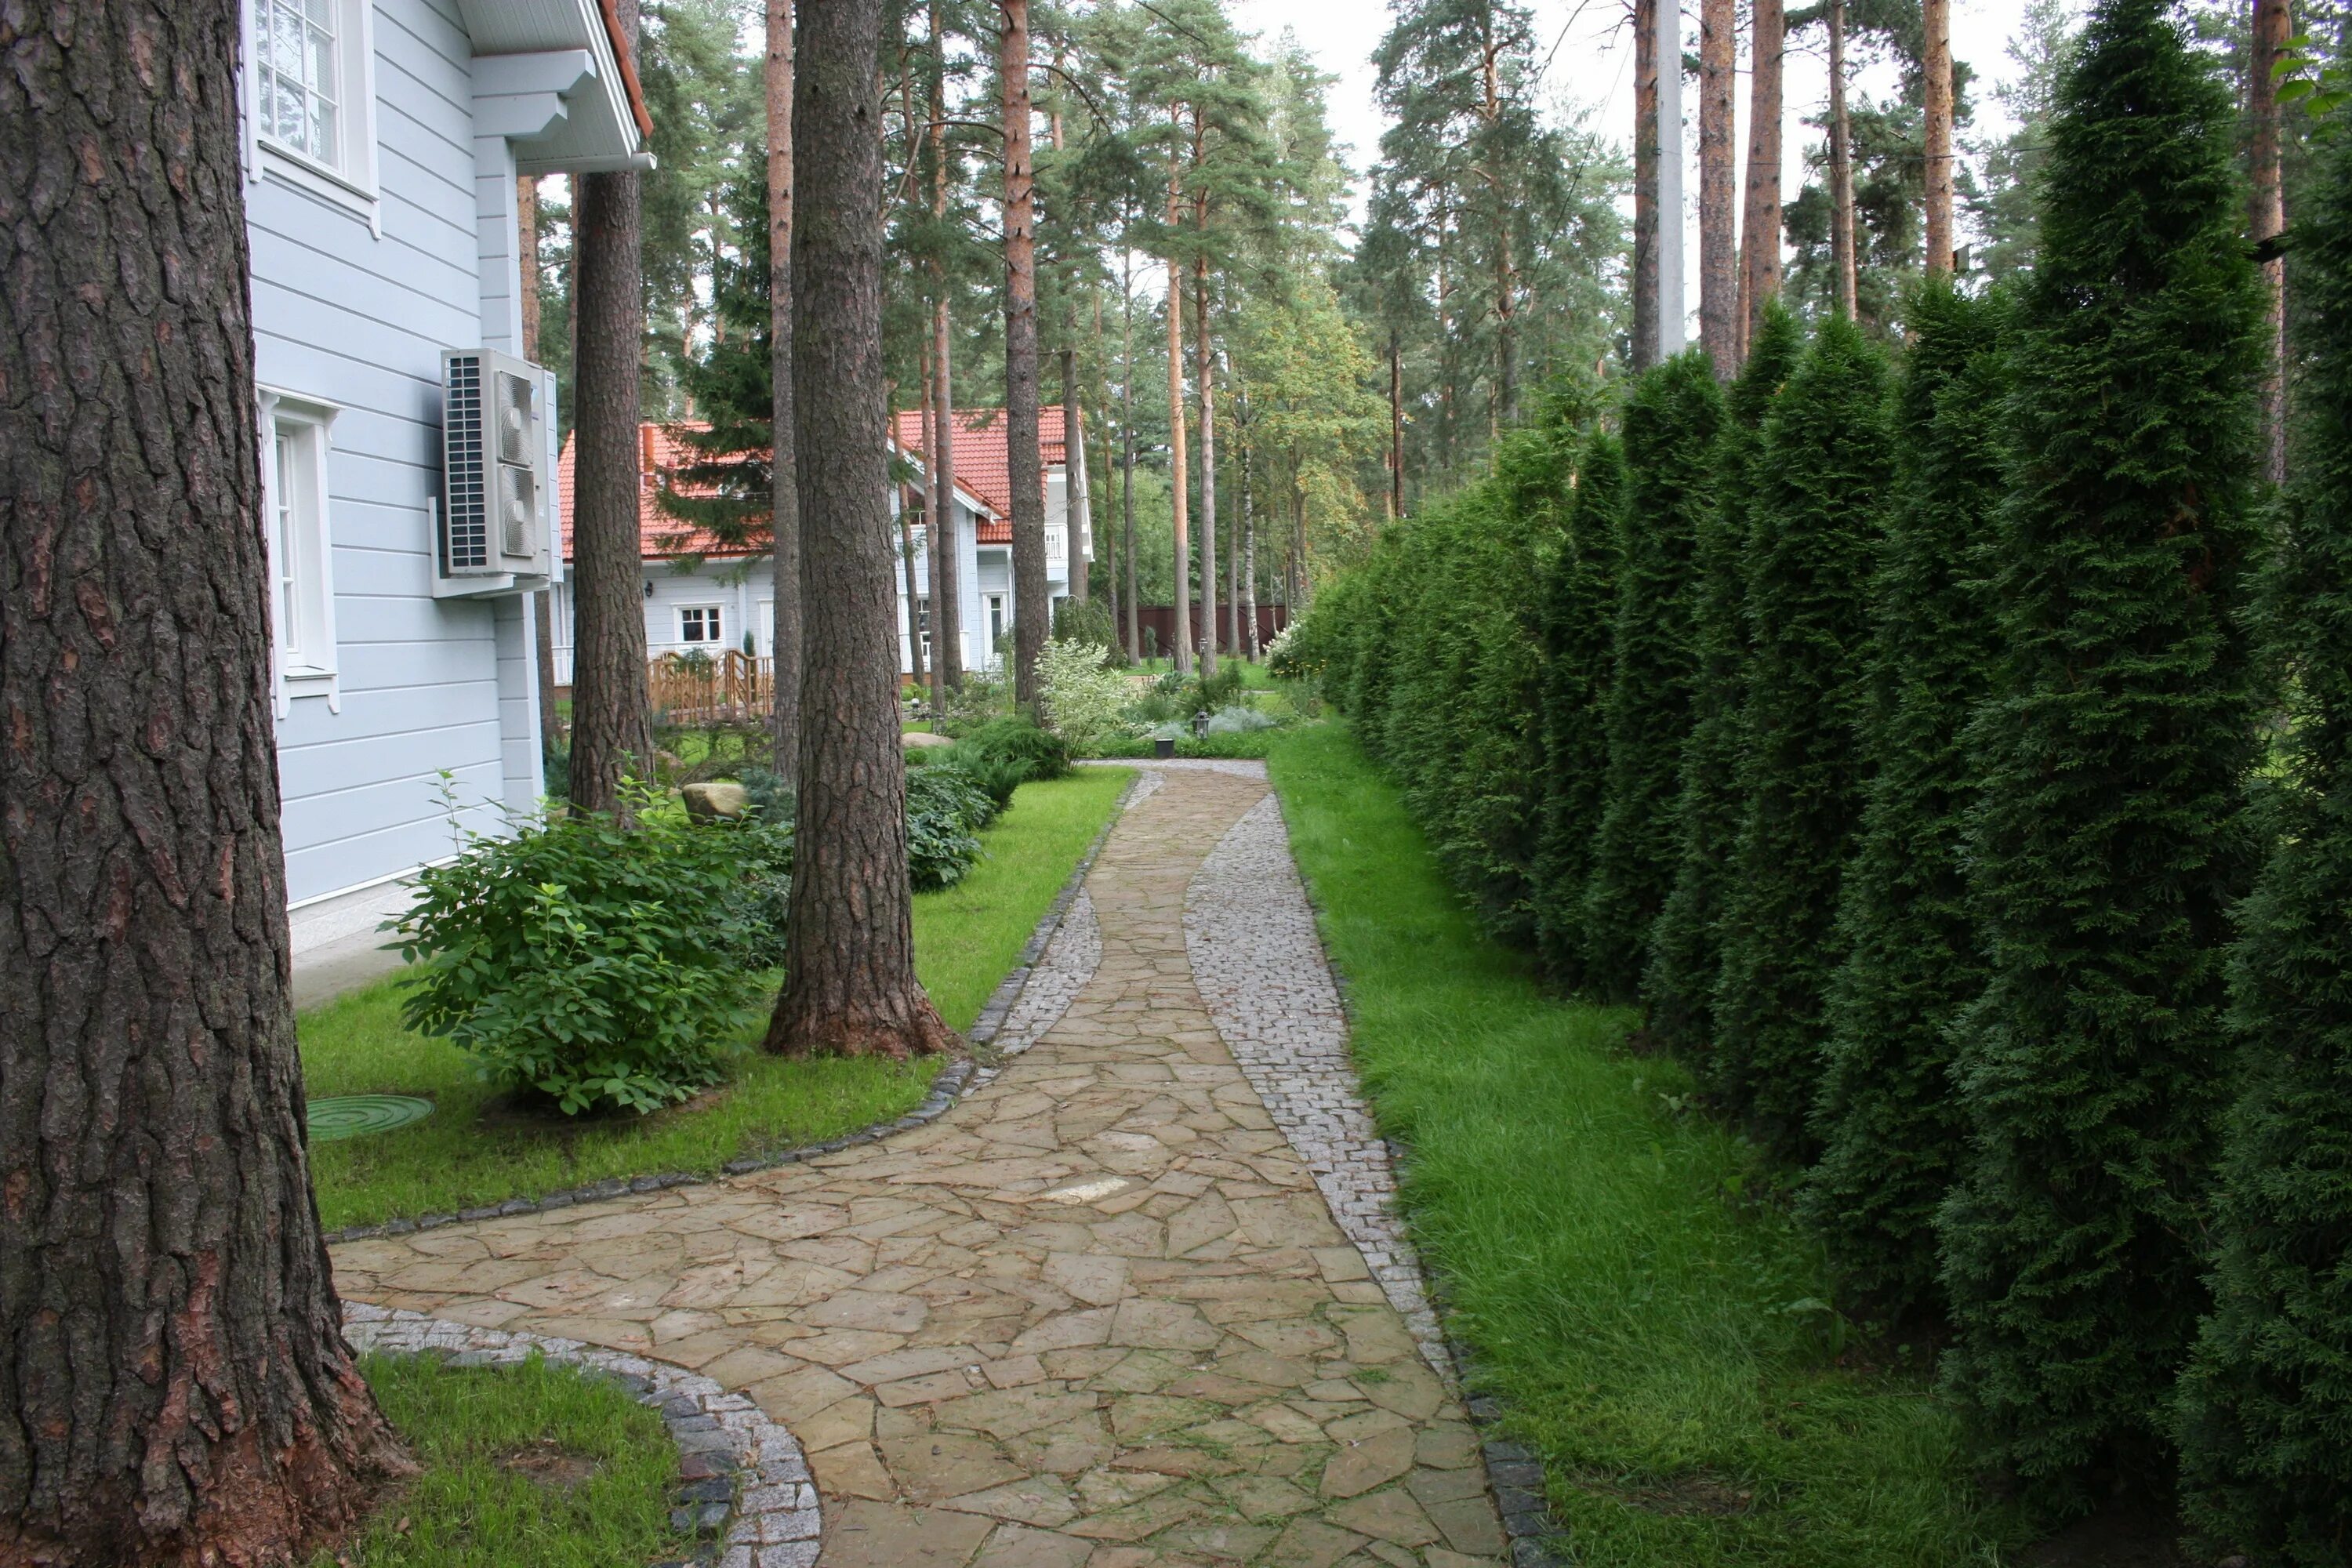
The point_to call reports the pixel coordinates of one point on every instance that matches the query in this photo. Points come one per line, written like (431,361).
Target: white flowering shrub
(1082,697)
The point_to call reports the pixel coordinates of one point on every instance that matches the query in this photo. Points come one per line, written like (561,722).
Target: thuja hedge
(1899,741)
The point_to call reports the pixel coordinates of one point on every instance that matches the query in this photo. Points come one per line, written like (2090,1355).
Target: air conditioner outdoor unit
(498,453)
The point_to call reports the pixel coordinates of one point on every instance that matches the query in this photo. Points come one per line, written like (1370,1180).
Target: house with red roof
(706,593)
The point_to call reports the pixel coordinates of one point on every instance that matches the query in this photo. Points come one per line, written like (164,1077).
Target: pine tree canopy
(1685,948)
(1818,510)
(2267,1405)
(1672,418)
(1888,1122)
(2109,839)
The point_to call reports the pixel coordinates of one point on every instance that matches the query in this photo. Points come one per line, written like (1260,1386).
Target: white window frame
(716,626)
(296,448)
(348,180)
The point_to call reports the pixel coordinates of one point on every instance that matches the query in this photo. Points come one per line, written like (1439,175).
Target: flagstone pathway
(1099,1315)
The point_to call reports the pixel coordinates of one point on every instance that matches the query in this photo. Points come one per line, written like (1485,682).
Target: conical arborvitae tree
(1887,1123)
(1819,510)
(1685,945)
(2266,1409)
(1672,418)
(2110,838)
(1579,611)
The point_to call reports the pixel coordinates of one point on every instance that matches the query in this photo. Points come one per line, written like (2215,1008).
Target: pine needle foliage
(1672,418)
(2266,1410)
(1888,1124)
(1580,602)
(1685,950)
(732,386)
(2110,838)
(1820,511)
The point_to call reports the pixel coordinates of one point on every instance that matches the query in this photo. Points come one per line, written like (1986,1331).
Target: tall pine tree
(1672,418)
(1685,945)
(2267,1405)
(1821,493)
(2110,838)
(1579,603)
(1889,1128)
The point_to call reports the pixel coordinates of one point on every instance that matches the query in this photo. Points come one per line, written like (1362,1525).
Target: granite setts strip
(748,1494)
(956,1079)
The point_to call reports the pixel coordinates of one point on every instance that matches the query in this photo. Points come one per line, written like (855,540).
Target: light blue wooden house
(408,454)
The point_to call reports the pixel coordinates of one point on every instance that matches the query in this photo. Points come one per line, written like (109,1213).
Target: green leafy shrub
(1238,719)
(1819,513)
(946,809)
(1686,945)
(1039,753)
(1087,622)
(1890,1129)
(593,964)
(2110,840)
(1080,697)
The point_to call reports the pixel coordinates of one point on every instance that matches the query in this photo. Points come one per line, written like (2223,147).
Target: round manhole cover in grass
(350,1115)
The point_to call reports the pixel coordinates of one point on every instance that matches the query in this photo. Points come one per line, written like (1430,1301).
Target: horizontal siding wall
(358,323)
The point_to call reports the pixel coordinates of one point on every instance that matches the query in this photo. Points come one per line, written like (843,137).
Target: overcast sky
(1589,43)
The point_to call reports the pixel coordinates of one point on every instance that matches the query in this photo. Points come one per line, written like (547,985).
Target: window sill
(310,681)
(306,173)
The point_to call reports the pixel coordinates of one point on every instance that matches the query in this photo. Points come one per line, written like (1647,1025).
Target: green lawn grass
(524,1466)
(1655,1323)
(967,938)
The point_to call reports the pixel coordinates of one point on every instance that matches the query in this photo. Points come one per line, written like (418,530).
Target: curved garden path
(1136,1301)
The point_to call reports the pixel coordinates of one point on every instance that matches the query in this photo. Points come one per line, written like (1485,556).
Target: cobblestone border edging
(954,1081)
(1256,951)
(745,1474)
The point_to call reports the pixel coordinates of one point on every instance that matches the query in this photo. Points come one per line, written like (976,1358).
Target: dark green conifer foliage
(1579,611)
(2110,840)
(1818,510)
(2266,1409)
(731,383)
(1672,417)
(1686,951)
(1888,1122)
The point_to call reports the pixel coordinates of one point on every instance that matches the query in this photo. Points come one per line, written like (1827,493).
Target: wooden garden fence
(711,689)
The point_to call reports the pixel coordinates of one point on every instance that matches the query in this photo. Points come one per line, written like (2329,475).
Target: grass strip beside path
(531,1466)
(1656,1325)
(967,938)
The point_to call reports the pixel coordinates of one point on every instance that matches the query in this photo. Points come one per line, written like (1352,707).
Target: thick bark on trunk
(1077,511)
(1180,651)
(785,713)
(2267,219)
(1759,221)
(174,1383)
(947,565)
(1719,250)
(612,730)
(1646,224)
(1842,257)
(543,616)
(849,984)
(1127,444)
(1204,375)
(1937,18)
(1032,612)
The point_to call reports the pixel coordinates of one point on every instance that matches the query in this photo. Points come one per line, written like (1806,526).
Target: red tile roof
(980,457)
(980,473)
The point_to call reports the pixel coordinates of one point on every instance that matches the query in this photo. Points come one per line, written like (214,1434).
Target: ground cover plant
(476,1148)
(1656,1325)
(531,1466)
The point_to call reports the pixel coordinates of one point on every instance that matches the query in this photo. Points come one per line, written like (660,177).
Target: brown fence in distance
(1160,621)
(712,688)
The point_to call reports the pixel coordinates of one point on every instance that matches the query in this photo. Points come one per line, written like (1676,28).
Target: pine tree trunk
(611,730)
(1179,650)
(1077,511)
(543,618)
(1646,224)
(1760,220)
(1032,612)
(1498,193)
(947,564)
(175,1387)
(1127,444)
(1204,377)
(1936,16)
(907,548)
(1245,581)
(1842,257)
(2267,220)
(1396,426)
(850,984)
(938,508)
(785,562)
(1719,252)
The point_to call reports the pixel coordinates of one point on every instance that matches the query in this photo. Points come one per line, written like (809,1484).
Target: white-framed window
(923,622)
(698,623)
(310,97)
(294,471)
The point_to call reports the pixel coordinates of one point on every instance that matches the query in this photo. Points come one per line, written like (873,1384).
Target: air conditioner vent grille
(468,546)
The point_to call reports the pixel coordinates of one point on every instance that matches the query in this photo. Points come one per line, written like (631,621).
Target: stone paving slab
(1099,1314)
